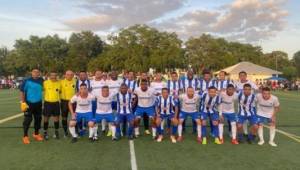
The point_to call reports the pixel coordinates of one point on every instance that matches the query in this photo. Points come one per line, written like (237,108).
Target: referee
(52,90)
(31,93)
(68,85)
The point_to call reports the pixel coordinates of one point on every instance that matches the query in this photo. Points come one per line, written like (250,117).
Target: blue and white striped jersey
(246,105)
(166,106)
(185,83)
(124,103)
(222,84)
(204,85)
(209,104)
(174,87)
(131,84)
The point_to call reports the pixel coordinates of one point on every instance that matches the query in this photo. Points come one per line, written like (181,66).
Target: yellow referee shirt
(52,91)
(67,89)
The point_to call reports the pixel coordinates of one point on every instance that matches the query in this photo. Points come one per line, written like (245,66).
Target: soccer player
(228,98)
(67,92)
(97,83)
(210,102)
(131,82)
(145,98)
(104,110)
(246,105)
(174,85)
(166,109)
(206,81)
(222,82)
(189,106)
(124,110)
(31,93)
(190,81)
(267,108)
(113,83)
(83,110)
(52,88)
(158,84)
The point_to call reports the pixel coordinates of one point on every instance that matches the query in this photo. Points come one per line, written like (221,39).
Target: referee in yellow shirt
(52,89)
(68,85)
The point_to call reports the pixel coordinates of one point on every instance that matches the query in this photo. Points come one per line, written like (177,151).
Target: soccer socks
(203,129)
(130,129)
(103,123)
(26,124)
(159,130)
(73,132)
(154,131)
(233,130)
(56,125)
(261,133)
(180,130)
(245,127)
(91,132)
(221,129)
(174,130)
(272,133)
(137,131)
(64,123)
(46,125)
(113,131)
(199,131)
(95,130)
(215,130)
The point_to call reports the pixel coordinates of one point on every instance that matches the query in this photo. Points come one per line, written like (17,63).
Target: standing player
(267,108)
(228,99)
(166,109)
(243,80)
(83,110)
(131,82)
(145,104)
(190,81)
(158,84)
(52,88)
(210,102)
(174,85)
(189,106)
(67,92)
(222,82)
(83,79)
(246,104)
(206,81)
(31,104)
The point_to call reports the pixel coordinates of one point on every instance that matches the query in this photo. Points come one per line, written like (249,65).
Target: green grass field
(105,154)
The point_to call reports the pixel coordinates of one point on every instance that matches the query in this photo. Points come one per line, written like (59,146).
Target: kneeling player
(104,110)
(267,107)
(83,111)
(166,109)
(228,112)
(210,102)
(246,104)
(124,110)
(189,106)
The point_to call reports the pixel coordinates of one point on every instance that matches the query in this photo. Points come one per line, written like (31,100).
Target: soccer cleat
(56,135)
(114,139)
(261,142)
(273,144)
(26,140)
(180,139)
(147,132)
(160,138)
(234,142)
(74,140)
(46,136)
(109,133)
(217,141)
(91,140)
(173,139)
(204,141)
(95,138)
(130,137)
(38,137)
(199,140)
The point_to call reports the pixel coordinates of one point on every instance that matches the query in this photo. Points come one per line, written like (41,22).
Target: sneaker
(160,138)
(261,142)
(74,140)
(91,139)
(95,138)
(204,141)
(147,132)
(273,144)
(180,139)
(26,140)
(46,136)
(234,142)
(217,141)
(173,139)
(109,133)
(56,135)
(38,137)
(199,140)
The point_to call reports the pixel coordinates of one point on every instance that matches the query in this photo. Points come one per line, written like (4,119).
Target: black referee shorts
(51,109)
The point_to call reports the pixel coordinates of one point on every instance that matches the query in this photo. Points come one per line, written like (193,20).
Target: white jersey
(96,86)
(265,108)
(166,106)
(190,83)
(189,105)
(173,87)
(240,86)
(222,84)
(124,105)
(83,105)
(227,102)
(204,85)
(104,104)
(246,104)
(158,86)
(145,98)
(114,85)
(210,104)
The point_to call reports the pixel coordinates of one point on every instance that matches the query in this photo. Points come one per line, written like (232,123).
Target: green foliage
(296,60)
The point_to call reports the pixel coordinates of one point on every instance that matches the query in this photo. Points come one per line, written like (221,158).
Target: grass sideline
(105,154)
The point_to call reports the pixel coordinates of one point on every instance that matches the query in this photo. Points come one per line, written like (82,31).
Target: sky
(272,24)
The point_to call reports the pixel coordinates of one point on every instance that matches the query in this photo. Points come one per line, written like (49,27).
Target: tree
(3,55)
(296,60)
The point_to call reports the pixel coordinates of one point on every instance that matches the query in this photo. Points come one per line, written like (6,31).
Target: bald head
(69,75)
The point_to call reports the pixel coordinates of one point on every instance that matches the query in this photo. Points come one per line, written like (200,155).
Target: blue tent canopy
(276,78)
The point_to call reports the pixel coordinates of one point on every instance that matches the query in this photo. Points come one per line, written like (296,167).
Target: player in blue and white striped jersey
(222,82)
(206,81)
(131,82)
(174,85)
(166,109)
(190,81)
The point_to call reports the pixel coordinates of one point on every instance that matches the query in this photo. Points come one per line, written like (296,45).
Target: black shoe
(46,136)
(56,135)
(74,140)
(66,134)
(115,139)
(91,140)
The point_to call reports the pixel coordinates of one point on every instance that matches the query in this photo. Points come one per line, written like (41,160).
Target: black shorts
(34,109)
(51,109)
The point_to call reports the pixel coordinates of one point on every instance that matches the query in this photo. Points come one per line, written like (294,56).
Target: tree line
(137,48)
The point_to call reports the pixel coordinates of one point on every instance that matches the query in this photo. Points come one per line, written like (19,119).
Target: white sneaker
(261,142)
(273,144)
(159,139)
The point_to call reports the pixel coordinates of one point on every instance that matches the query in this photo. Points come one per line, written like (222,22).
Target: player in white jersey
(209,108)
(83,110)
(131,82)
(124,110)
(174,85)
(104,110)
(157,84)
(97,83)
(166,109)
(228,98)
(189,106)
(145,104)
(267,108)
(247,112)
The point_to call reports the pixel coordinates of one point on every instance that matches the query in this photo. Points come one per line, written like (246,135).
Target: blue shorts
(213,116)
(108,117)
(193,115)
(114,105)
(167,117)
(141,110)
(252,119)
(232,117)
(122,117)
(262,119)
(86,117)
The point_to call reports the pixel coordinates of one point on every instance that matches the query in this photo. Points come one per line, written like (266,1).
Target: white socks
(113,131)
(272,133)
(136,131)
(245,127)
(96,130)
(103,123)
(233,130)
(180,130)
(91,132)
(221,129)
(154,131)
(261,133)
(199,131)
(73,132)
